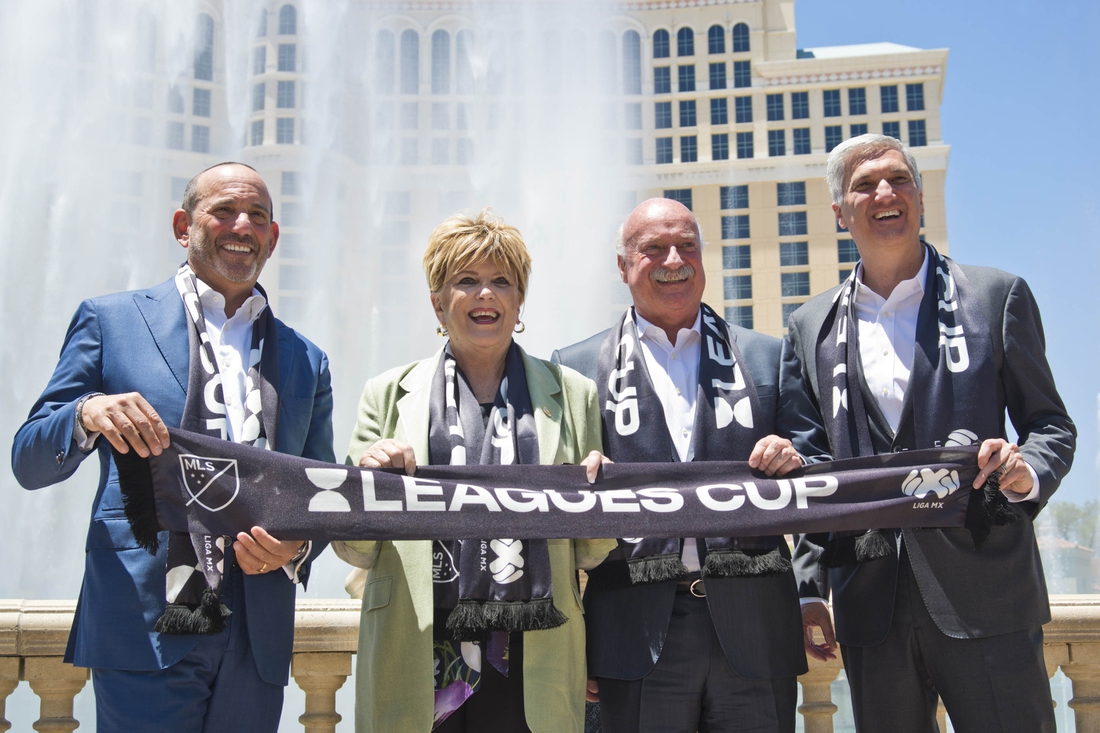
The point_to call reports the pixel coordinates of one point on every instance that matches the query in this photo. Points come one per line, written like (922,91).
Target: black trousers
(497,706)
(991,684)
(693,687)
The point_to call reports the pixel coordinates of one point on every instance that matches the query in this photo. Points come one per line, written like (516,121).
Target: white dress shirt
(674,371)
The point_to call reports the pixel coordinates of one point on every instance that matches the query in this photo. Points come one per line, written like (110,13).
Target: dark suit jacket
(969,593)
(758,620)
(137,341)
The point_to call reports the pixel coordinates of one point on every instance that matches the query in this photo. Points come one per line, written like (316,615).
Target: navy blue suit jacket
(137,342)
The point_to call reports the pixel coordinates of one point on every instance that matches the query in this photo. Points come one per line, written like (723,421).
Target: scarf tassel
(740,564)
(471,620)
(208,618)
(656,569)
(852,549)
(135,480)
(986,509)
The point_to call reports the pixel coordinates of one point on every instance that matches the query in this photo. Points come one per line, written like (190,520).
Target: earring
(440,331)
(519,327)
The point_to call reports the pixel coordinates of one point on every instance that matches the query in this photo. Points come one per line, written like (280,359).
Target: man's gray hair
(853,151)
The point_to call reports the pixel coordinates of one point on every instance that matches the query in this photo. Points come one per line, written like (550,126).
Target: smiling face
(662,264)
(882,206)
(479,305)
(230,234)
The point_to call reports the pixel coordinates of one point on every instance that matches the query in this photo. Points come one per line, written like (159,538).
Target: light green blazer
(394,669)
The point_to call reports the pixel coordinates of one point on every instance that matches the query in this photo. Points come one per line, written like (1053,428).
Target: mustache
(665,275)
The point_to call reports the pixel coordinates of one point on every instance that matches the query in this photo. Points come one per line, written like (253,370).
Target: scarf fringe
(854,549)
(739,564)
(135,482)
(208,619)
(656,569)
(986,509)
(471,620)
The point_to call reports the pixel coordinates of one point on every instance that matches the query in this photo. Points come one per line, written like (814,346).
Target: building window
(285,98)
(441,151)
(685,42)
(175,100)
(259,60)
(410,151)
(718,75)
(737,287)
(384,63)
(857,129)
(441,116)
(735,226)
(716,39)
(689,149)
(800,105)
(742,74)
(740,38)
(464,151)
(660,44)
(857,101)
(788,311)
(720,146)
(719,111)
(844,275)
(634,151)
(284,131)
(662,80)
(744,145)
(687,113)
(200,139)
(777,143)
(632,63)
(686,78)
(846,251)
(464,70)
(632,115)
(892,129)
(800,138)
(794,284)
(173,137)
(200,103)
(834,135)
(259,92)
(291,215)
(734,197)
(410,62)
(261,24)
(914,97)
(742,109)
(792,223)
(664,150)
(739,315)
(790,194)
(917,134)
(290,185)
(410,115)
(288,57)
(775,107)
(794,254)
(204,48)
(143,131)
(662,115)
(441,62)
(258,132)
(683,195)
(288,20)
(889,97)
(831,99)
(737,257)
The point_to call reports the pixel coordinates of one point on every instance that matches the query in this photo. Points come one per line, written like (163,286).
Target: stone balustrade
(33,636)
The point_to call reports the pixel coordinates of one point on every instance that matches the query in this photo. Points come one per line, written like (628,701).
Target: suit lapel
(162,309)
(413,407)
(542,387)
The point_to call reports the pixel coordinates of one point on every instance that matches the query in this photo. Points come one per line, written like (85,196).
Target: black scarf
(195,564)
(954,371)
(499,584)
(728,424)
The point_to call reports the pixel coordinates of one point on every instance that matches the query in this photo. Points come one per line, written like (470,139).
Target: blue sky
(1020,113)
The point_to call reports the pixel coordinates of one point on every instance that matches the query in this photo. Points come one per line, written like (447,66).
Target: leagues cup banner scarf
(728,423)
(953,366)
(195,558)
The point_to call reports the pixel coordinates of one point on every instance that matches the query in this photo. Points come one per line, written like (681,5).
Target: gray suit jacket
(757,619)
(969,593)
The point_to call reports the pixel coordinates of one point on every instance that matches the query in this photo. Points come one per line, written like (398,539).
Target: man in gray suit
(916,351)
(692,634)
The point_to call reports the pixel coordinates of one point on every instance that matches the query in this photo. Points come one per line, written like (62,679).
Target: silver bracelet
(80,410)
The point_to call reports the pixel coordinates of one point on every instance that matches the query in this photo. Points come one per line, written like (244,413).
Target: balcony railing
(33,636)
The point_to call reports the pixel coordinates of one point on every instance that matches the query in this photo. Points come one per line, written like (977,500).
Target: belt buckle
(697,588)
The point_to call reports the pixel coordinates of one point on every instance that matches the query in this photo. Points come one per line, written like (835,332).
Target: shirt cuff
(291,568)
(1033,495)
(811,599)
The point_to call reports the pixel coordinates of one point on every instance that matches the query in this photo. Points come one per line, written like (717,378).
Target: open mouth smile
(484,317)
(889,214)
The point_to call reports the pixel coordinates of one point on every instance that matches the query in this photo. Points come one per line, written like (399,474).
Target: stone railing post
(1075,627)
(817,706)
(56,684)
(9,680)
(320,675)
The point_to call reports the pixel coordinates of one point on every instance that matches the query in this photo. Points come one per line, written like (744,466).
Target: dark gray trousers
(990,684)
(693,687)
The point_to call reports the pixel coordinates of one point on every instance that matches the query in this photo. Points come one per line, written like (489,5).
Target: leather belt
(692,584)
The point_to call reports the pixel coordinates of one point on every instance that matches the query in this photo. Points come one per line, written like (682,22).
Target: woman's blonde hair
(462,240)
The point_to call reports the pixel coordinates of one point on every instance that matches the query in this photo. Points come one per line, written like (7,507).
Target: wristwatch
(80,410)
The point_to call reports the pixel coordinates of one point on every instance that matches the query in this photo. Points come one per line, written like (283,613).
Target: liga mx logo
(922,482)
(213,483)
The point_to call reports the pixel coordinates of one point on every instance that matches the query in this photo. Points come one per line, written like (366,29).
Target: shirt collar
(656,334)
(213,302)
(903,290)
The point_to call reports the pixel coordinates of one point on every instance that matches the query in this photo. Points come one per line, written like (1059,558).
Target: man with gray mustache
(697,633)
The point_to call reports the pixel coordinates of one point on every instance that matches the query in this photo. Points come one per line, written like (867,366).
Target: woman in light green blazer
(477,271)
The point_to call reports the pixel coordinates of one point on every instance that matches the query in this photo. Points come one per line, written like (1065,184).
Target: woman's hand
(390,453)
(592,464)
